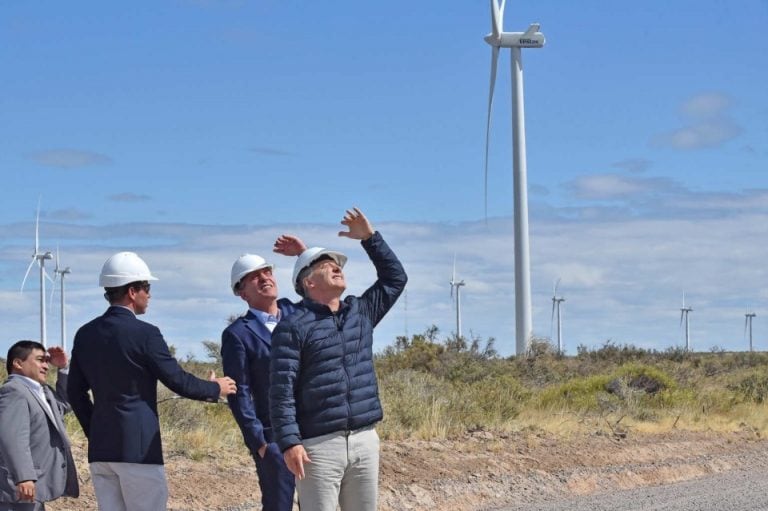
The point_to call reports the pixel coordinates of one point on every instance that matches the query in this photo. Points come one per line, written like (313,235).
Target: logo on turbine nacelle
(529,42)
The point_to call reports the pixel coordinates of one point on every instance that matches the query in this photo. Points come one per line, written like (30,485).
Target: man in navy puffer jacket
(324,398)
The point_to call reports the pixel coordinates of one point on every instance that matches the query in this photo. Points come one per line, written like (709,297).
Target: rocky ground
(480,472)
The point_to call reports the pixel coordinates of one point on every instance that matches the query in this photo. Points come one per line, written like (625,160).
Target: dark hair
(21,350)
(116,294)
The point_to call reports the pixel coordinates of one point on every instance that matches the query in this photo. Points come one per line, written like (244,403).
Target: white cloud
(635,165)
(613,186)
(622,276)
(129,197)
(707,105)
(705,134)
(69,158)
(709,124)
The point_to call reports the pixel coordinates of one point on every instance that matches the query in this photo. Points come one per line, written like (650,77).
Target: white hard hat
(244,265)
(308,257)
(124,268)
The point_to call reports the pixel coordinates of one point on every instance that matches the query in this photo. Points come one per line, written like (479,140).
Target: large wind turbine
(748,326)
(457,284)
(684,310)
(60,272)
(40,258)
(498,39)
(556,301)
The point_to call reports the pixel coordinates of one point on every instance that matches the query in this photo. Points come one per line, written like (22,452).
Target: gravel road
(738,490)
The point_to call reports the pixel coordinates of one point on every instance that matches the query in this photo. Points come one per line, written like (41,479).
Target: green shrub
(753,388)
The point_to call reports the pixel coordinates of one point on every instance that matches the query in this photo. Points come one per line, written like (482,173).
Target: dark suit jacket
(245,346)
(33,442)
(120,359)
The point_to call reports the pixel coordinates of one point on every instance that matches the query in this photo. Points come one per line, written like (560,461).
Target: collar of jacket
(119,309)
(321,308)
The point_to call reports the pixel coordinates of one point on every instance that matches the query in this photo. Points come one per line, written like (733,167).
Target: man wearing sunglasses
(120,359)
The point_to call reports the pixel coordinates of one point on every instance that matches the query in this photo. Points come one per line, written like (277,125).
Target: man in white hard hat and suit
(245,346)
(324,397)
(120,359)
(36,464)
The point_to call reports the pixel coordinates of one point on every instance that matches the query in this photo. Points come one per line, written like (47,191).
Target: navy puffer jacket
(321,363)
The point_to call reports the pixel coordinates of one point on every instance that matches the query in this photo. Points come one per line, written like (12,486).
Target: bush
(753,388)
(422,405)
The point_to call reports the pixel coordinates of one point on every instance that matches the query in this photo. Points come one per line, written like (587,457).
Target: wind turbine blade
(37,227)
(494,65)
(53,290)
(557,284)
(535,27)
(501,16)
(552,321)
(26,275)
(45,273)
(496,18)
(682,313)
(746,320)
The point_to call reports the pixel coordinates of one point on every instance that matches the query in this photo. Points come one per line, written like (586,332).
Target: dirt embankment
(482,471)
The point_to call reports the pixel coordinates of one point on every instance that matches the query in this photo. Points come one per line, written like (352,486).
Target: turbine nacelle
(531,38)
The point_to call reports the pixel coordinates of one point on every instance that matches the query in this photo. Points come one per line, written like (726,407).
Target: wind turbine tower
(684,310)
(457,284)
(39,258)
(556,301)
(60,272)
(498,39)
(748,326)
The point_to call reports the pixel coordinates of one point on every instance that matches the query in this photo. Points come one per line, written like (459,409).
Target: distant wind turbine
(498,39)
(748,326)
(556,302)
(684,310)
(39,258)
(60,273)
(457,284)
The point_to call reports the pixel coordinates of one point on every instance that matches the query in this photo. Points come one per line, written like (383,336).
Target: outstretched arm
(359,226)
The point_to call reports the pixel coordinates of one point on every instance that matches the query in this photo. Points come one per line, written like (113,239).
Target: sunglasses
(145,286)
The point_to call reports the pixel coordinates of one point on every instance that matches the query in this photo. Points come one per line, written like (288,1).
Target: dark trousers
(33,506)
(277,483)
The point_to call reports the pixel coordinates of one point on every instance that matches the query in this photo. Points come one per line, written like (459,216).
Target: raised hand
(289,245)
(359,226)
(57,357)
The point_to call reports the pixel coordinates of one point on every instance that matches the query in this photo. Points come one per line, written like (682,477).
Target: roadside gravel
(738,490)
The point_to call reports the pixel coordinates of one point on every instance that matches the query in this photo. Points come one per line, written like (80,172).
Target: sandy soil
(481,471)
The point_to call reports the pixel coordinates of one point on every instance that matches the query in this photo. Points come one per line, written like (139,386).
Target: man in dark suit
(245,346)
(36,463)
(120,360)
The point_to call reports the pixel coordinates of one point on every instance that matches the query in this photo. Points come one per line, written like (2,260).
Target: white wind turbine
(457,284)
(498,39)
(684,310)
(748,326)
(60,272)
(556,302)
(39,258)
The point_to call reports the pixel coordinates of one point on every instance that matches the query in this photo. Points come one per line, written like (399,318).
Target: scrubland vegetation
(434,388)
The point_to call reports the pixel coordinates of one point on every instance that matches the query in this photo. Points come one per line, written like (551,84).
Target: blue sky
(193,131)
